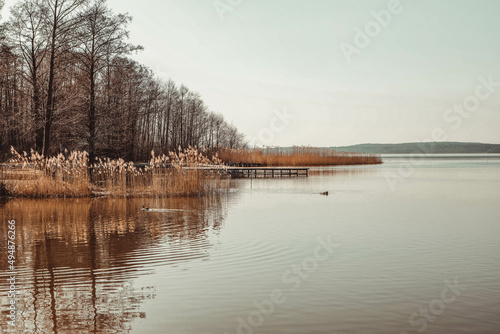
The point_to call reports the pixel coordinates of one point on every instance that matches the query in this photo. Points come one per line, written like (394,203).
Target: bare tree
(61,21)
(101,35)
(170,97)
(26,30)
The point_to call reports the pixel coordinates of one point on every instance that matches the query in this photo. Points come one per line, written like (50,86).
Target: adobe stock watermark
(292,279)
(453,118)
(277,124)
(428,313)
(372,29)
(11,279)
(222,7)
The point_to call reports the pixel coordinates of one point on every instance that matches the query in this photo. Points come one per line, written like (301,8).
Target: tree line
(67,82)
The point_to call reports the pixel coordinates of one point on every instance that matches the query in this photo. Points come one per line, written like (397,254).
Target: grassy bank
(297,156)
(69,175)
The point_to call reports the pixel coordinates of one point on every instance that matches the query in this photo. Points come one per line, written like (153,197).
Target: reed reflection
(77,259)
(341,171)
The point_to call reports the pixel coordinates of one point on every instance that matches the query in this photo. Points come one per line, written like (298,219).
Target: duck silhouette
(145,209)
(324,193)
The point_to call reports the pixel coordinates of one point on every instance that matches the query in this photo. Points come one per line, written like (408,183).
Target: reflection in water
(76,259)
(341,171)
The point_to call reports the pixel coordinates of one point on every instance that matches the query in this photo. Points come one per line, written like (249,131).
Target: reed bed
(64,175)
(188,172)
(296,156)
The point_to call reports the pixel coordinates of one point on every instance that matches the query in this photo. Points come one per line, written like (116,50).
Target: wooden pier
(267,172)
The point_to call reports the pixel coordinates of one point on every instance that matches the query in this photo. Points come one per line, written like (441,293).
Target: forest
(68,82)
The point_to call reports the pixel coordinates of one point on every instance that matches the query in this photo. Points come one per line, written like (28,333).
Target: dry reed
(186,173)
(296,156)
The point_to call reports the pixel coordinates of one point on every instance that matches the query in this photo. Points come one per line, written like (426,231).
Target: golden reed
(297,156)
(186,173)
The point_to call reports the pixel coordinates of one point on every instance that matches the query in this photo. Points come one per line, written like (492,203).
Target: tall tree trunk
(39,126)
(168,126)
(92,117)
(50,90)
(50,107)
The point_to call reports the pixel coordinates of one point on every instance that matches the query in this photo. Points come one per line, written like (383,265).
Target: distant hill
(429,148)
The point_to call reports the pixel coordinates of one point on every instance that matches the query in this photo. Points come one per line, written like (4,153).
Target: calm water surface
(411,246)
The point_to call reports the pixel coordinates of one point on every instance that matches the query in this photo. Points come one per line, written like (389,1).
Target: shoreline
(211,184)
(187,173)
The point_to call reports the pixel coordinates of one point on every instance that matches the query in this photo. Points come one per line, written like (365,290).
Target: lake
(410,246)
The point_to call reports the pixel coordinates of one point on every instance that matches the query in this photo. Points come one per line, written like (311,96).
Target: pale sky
(255,58)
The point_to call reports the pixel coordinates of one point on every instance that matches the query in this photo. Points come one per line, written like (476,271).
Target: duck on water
(324,193)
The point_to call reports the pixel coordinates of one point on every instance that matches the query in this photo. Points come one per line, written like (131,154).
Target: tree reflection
(77,259)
